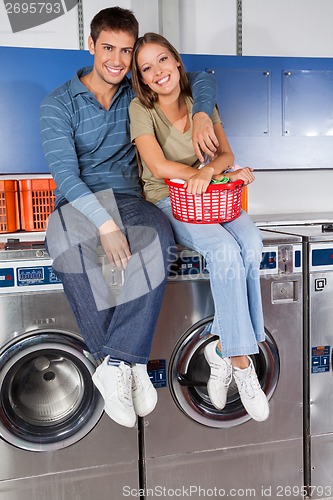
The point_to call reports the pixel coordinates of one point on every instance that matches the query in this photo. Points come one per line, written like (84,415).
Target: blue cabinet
(307,103)
(26,77)
(244,98)
(277,112)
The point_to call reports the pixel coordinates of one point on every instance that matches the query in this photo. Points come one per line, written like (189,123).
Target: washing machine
(189,447)
(56,443)
(316,231)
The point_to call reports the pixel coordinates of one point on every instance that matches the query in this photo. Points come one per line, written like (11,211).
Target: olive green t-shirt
(176,146)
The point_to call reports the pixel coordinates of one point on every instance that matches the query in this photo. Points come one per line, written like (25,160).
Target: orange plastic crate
(36,203)
(9,213)
(245,199)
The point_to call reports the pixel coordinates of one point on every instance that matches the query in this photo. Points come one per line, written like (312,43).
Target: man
(86,140)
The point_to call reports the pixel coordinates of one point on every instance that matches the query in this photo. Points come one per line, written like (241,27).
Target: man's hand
(115,244)
(203,136)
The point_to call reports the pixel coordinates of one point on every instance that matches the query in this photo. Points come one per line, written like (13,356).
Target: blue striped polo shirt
(88,148)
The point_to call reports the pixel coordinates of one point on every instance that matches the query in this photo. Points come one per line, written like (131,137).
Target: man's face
(112,55)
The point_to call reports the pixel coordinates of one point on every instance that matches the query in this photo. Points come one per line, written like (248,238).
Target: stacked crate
(25,204)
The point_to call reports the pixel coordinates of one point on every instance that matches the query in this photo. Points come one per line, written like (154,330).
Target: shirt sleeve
(216,116)
(141,122)
(57,136)
(204,91)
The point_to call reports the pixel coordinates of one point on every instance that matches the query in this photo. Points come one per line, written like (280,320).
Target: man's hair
(114,19)
(147,96)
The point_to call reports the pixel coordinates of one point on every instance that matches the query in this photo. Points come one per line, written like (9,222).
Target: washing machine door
(48,400)
(189,373)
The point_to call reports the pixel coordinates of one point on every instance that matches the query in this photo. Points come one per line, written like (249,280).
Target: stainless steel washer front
(189,373)
(47,397)
(187,442)
(318,317)
(55,440)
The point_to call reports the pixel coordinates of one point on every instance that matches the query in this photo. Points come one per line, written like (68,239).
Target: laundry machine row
(316,231)
(56,442)
(190,448)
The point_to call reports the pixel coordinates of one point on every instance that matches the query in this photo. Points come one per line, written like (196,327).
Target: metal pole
(239,36)
(80,24)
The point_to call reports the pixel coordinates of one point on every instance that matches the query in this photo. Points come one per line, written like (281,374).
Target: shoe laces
(124,377)
(249,384)
(217,373)
(136,382)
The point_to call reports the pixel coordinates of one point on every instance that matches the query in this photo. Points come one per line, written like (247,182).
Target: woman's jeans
(121,326)
(233,252)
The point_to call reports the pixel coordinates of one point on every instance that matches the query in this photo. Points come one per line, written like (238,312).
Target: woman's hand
(243,174)
(114,244)
(199,182)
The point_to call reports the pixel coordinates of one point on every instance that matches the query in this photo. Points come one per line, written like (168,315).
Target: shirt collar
(78,87)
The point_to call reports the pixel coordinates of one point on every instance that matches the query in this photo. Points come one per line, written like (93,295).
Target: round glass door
(189,374)
(48,400)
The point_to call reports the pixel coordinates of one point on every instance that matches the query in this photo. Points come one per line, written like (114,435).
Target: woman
(161,123)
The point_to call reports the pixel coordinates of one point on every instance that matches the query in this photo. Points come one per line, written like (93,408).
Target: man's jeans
(233,252)
(121,326)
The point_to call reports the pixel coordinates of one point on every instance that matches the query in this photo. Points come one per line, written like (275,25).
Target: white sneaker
(115,385)
(144,393)
(220,376)
(252,396)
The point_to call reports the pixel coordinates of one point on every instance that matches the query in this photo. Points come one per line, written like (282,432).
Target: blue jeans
(233,252)
(121,326)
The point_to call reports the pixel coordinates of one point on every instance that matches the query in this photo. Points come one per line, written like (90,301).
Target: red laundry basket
(220,203)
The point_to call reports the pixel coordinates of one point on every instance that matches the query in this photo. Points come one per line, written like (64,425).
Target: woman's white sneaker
(220,376)
(144,393)
(115,385)
(250,392)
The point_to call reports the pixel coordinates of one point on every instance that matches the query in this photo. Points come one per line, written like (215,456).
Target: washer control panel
(281,259)
(25,276)
(276,259)
(321,257)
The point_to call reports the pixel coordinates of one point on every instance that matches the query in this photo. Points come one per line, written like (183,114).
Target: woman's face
(159,69)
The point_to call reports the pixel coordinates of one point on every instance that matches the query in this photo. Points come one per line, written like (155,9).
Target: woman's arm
(152,154)
(197,181)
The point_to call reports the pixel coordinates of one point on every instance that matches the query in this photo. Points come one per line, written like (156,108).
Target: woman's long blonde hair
(147,96)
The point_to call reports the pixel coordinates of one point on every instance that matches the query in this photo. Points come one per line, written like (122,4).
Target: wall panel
(301,28)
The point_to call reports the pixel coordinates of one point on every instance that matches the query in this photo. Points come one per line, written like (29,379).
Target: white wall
(270,27)
(146,12)
(61,33)
(288,28)
(208,26)
(290,192)
(301,28)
